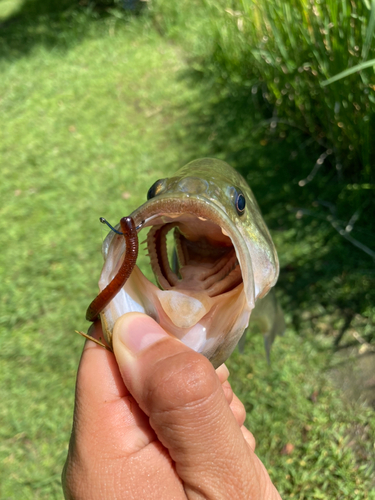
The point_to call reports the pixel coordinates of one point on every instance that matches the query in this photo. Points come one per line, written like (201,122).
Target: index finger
(104,407)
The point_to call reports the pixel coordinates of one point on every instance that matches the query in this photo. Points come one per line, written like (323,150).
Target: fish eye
(156,189)
(239,201)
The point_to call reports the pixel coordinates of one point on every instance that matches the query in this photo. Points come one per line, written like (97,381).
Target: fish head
(223,259)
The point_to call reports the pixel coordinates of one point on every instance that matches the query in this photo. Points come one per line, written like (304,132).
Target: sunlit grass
(84,133)
(9,7)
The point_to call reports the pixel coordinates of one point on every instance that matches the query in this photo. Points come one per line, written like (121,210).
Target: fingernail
(138,333)
(225,370)
(90,331)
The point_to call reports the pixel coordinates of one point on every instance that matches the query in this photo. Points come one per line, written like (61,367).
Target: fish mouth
(204,259)
(206,290)
(211,254)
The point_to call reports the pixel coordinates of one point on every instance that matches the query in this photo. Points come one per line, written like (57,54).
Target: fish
(212,256)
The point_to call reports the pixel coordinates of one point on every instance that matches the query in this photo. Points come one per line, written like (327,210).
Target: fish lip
(199,206)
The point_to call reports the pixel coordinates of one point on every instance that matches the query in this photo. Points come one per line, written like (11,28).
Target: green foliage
(303,432)
(39,7)
(295,47)
(285,51)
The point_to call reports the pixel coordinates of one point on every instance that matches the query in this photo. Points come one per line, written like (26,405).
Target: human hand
(155,421)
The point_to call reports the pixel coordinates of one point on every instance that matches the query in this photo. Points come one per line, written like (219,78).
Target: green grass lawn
(93,110)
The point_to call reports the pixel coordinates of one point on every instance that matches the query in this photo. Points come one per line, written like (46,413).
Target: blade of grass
(347,72)
(369,32)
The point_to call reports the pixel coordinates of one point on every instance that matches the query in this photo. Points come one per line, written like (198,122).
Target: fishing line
(104,221)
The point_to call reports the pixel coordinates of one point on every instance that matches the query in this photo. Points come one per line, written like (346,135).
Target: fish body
(223,263)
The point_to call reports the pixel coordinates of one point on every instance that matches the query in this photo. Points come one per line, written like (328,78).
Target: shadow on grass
(54,24)
(325,281)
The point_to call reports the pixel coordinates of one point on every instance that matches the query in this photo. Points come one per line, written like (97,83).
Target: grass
(84,124)
(94,108)
(287,53)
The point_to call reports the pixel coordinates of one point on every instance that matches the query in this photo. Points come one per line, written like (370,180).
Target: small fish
(219,272)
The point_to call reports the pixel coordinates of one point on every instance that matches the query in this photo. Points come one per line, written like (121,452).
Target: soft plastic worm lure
(129,231)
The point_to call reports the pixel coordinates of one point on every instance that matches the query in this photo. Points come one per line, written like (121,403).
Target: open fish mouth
(204,265)
(223,260)
(206,286)
(201,263)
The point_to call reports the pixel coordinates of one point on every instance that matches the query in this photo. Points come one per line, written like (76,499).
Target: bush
(292,48)
(287,50)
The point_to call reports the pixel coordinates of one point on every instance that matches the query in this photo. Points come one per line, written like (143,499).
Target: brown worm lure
(129,232)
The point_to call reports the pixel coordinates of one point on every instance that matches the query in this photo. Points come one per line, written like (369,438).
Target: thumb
(181,394)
